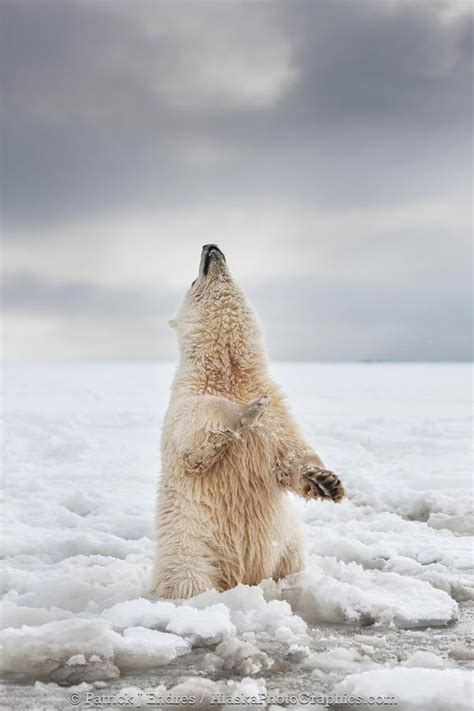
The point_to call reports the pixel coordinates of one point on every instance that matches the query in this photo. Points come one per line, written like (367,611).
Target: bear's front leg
(305,474)
(221,423)
(204,456)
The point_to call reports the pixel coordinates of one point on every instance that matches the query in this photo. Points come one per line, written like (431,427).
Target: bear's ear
(172,323)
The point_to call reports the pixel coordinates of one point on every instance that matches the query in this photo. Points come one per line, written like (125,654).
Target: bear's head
(218,331)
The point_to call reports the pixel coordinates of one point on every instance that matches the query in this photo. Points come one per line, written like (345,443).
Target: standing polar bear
(230,452)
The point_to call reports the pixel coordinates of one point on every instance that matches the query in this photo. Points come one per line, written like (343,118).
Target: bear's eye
(193,283)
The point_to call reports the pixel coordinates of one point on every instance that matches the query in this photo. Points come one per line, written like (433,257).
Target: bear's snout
(210,252)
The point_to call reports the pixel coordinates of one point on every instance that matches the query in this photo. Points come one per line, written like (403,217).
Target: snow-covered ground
(383,609)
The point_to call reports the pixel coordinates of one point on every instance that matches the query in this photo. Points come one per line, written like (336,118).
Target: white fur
(230,452)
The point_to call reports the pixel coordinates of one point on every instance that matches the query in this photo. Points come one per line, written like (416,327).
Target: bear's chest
(240,490)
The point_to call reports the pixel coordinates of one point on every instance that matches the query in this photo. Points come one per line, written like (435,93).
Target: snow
(415,689)
(140,648)
(424,659)
(389,571)
(35,651)
(210,624)
(338,592)
(240,657)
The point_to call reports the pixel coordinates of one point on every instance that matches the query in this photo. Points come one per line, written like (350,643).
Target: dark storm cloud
(100,111)
(384,61)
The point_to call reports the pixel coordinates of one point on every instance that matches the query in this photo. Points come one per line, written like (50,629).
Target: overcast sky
(325,145)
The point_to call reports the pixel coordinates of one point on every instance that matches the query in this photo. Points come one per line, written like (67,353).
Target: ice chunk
(462,652)
(251,612)
(37,651)
(339,658)
(242,598)
(284,634)
(210,624)
(341,592)
(414,689)
(426,659)
(298,652)
(140,613)
(79,502)
(13,615)
(141,648)
(249,693)
(462,524)
(79,659)
(242,658)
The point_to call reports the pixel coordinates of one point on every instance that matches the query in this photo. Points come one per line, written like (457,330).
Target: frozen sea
(384,608)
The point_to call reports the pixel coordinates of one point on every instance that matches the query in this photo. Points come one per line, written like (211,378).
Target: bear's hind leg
(184,566)
(182,581)
(181,588)
(291,561)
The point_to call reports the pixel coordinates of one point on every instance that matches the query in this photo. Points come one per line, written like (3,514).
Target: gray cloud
(86,320)
(322,122)
(355,321)
(106,104)
(22,292)
(390,302)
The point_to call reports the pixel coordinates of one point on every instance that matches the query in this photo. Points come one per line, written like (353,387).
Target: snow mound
(414,689)
(425,659)
(36,652)
(210,625)
(240,657)
(79,503)
(140,613)
(251,612)
(50,650)
(337,592)
(462,524)
(338,658)
(141,648)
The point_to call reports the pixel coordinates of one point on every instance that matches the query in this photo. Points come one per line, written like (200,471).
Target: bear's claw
(323,484)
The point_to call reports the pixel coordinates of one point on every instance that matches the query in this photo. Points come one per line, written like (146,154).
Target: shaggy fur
(230,452)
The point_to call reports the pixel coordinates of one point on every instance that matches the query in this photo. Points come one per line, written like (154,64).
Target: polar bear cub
(231,451)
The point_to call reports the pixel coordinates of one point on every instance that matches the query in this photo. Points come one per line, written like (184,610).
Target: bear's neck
(225,373)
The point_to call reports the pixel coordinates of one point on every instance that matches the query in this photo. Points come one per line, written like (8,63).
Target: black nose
(209,249)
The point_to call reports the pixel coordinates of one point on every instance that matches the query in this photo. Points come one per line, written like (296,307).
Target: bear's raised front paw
(322,484)
(251,413)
